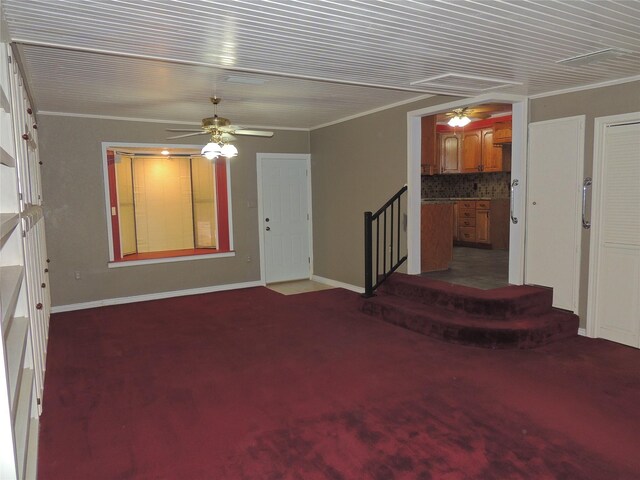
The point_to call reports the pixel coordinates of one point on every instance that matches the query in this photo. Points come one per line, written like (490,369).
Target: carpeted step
(498,304)
(528,331)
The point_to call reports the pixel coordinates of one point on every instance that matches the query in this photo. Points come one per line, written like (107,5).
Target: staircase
(509,317)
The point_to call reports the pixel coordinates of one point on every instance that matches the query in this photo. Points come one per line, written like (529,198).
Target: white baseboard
(335,283)
(582,332)
(153,296)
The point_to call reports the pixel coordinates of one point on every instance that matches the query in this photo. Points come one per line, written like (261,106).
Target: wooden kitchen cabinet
(450,153)
(501,133)
(491,153)
(483,223)
(471,151)
(474,221)
(483,226)
(436,249)
(429,158)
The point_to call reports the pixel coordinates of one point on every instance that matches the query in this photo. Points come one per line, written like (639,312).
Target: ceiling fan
(459,117)
(221,132)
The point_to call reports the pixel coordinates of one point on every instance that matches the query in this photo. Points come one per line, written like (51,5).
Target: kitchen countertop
(431,201)
(455,199)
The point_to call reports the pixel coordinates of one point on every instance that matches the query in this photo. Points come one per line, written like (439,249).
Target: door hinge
(307,216)
(309,258)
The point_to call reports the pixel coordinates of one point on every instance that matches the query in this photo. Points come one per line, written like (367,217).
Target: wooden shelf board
(6,158)
(22,417)
(8,222)
(10,282)
(16,348)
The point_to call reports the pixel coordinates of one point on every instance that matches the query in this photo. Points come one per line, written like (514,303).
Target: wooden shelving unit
(24,307)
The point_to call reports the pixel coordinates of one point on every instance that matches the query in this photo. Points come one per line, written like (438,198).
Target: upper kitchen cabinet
(450,152)
(502,133)
(491,153)
(471,151)
(429,163)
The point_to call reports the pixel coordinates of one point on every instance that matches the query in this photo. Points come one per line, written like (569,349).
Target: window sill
(183,258)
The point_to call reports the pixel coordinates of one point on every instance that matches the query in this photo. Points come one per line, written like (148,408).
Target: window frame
(116,263)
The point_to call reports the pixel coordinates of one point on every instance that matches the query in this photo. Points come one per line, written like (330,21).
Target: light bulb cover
(211,150)
(229,150)
(454,121)
(464,121)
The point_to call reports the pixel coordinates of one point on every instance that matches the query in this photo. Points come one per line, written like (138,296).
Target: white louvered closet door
(616,276)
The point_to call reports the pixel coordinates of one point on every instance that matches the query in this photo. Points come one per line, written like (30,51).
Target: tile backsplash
(483,185)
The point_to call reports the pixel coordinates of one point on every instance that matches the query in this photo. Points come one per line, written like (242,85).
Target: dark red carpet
(251,384)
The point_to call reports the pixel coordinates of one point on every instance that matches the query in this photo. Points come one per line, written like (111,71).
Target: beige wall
(355,166)
(74,202)
(598,102)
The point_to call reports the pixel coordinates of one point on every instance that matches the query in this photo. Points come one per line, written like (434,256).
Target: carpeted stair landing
(509,317)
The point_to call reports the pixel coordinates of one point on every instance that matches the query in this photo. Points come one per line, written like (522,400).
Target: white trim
(260,157)
(582,332)
(414,180)
(229,205)
(153,296)
(519,167)
(591,86)
(375,110)
(599,131)
(185,258)
(336,283)
(155,120)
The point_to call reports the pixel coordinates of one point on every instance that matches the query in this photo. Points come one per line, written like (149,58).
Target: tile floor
(298,286)
(476,267)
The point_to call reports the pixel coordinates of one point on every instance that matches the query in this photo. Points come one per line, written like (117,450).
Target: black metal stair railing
(386,254)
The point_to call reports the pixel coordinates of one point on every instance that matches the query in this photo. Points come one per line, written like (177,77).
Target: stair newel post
(368,253)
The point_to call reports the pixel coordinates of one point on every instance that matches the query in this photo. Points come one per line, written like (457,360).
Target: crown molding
(608,83)
(154,120)
(375,110)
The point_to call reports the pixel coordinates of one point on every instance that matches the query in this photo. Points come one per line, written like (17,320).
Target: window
(166,203)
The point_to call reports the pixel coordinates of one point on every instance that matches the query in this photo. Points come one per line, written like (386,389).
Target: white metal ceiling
(320,60)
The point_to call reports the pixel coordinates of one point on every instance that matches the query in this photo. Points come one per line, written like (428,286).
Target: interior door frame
(599,132)
(261,158)
(518,170)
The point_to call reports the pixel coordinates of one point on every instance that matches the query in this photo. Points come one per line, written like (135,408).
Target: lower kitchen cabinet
(483,223)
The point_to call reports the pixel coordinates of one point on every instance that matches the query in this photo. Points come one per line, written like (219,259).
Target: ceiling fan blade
(227,137)
(187,135)
(183,130)
(253,133)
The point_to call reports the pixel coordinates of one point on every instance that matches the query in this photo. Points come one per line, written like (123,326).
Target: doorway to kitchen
(465,192)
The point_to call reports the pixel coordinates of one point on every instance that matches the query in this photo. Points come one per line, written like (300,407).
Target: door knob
(268,228)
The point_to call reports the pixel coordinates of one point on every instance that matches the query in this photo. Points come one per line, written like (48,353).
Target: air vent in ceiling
(456,83)
(593,57)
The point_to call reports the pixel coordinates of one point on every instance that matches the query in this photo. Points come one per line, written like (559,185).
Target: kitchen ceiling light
(165,152)
(459,121)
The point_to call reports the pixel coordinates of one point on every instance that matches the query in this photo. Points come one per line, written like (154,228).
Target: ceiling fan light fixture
(459,121)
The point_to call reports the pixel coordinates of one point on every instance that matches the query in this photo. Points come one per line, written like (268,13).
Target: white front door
(285,216)
(553,230)
(614,283)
